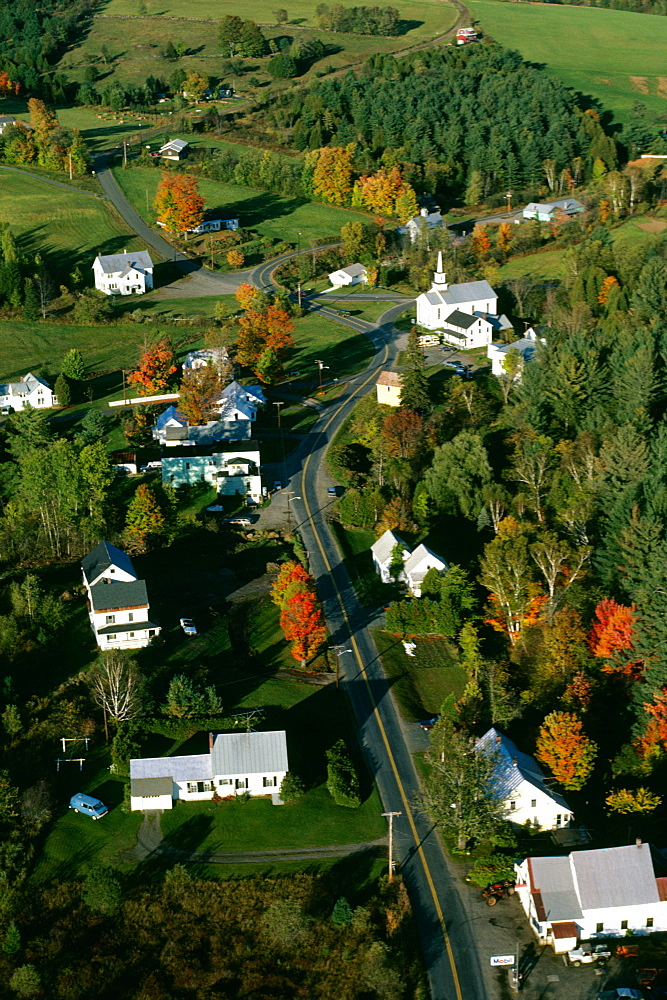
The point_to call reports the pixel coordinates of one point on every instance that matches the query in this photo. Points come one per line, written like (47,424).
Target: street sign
(502,960)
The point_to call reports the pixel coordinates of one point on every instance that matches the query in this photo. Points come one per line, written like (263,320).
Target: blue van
(87,805)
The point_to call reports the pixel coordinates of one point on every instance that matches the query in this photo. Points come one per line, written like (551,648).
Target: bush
(92,308)
(495,868)
(26,981)
(283,67)
(291,787)
(102,891)
(342,778)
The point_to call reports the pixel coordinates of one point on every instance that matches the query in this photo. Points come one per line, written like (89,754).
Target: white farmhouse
(526,346)
(117,600)
(231,466)
(124,273)
(236,764)
(353,274)
(29,391)
(519,782)
(611,892)
(206,357)
(421,224)
(547,211)
(467,314)
(415,564)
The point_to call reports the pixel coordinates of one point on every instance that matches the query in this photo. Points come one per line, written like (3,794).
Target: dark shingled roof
(127,627)
(462,320)
(151,786)
(118,594)
(102,558)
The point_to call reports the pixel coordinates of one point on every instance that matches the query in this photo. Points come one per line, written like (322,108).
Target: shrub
(283,67)
(26,981)
(495,868)
(291,787)
(342,779)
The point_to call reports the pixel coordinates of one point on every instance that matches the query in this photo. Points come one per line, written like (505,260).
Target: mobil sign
(502,960)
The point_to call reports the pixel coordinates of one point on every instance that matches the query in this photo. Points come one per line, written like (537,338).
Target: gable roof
(151,786)
(468,291)
(564,204)
(420,553)
(249,753)
(525,346)
(462,320)
(103,557)
(24,387)
(384,546)
(514,767)
(352,269)
(394,379)
(119,594)
(117,263)
(196,767)
(171,413)
(615,876)
(420,221)
(176,146)
(553,889)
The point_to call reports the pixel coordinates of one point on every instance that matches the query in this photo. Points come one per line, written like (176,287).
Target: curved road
(448,944)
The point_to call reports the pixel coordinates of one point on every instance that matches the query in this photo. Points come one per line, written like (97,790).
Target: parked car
(244,522)
(277,485)
(586,954)
(6,410)
(88,806)
(428,723)
(188,626)
(332,491)
(621,993)
(450,364)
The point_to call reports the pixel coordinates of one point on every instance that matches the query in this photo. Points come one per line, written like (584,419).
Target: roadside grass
(355,547)
(614,56)
(289,219)
(420,683)
(67,228)
(344,350)
(369,311)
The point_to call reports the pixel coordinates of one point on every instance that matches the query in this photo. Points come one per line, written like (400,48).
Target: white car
(188,626)
(586,954)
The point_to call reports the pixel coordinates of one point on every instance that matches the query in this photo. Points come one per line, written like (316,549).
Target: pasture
(613,56)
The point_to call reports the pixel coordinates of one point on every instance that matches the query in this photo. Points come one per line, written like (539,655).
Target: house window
(130,617)
(559,819)
(151,632)
(187,465)
(192,787)
(224,781)
(599,928)
(533,803)
(110,620)
(269,782)
(649,922)
(241,782)
(110,638)
(624,925)
(512,806)
(131,635)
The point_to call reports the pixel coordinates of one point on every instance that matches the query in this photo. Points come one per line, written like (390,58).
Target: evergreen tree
(30,301)
(73,365)
(414,383)
(62,391)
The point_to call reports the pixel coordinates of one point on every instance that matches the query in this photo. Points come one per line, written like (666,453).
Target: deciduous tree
(200,394)
(332,173)
(157,365)
(303,625)
(117,687)
(566,750)
(626,800)
(178,203)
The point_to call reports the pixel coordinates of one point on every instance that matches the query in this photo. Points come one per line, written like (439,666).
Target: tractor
(496,891)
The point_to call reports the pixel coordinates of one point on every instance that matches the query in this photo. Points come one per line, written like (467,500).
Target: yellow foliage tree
(625,801)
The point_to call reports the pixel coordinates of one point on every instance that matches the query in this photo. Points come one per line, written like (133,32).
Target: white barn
(353,274)
(118,603)
(124,273)
(611,892)
(520,783)
(236,764)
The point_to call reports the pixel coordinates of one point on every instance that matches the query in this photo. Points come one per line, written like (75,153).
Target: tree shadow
(189,836)
(405,25)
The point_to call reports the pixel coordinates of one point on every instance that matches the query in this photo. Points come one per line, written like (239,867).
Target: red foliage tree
(262,330)
(612,633)
(566,750)
(291,577)
(403,432)
(302,622)
(156,366)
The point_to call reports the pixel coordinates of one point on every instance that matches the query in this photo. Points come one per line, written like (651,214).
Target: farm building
(124,273)
(353,274)
(388,388)
(549,210)
(175,150)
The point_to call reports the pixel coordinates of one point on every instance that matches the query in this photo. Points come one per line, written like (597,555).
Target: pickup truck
(586,954)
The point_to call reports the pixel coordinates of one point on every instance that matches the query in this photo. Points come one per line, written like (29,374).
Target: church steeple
(440,278)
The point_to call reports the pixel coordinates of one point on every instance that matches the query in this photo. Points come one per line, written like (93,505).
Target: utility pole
(278,405)
(69,156)
(321,366)
(339,652)
(298,292)
(509,202)
(289,512)
(124,152)
(123,371)
(391,815)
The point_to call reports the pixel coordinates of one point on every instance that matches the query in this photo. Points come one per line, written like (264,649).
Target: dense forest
(452,117)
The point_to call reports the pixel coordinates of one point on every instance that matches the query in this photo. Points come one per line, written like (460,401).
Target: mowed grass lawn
(282,218)
(421,682)
(614,56)
(67,228)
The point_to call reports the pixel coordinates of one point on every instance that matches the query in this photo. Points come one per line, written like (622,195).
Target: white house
(415,564)
(548,210)
(231,466)
(206,357)
(117,600)
(466,313)
(124,273)
(388,388)
(519,782)
(353,274)
(236,764)
(236,408)
(30,390)
(526,346)
(421,224)
(209,226)
(611,892)
(176,150)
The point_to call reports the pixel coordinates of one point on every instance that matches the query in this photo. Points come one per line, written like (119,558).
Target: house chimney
(499,738)
(515,760)
(638,842)
(423,212)
(211,740)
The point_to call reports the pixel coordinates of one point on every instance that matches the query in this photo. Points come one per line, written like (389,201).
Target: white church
(465,314)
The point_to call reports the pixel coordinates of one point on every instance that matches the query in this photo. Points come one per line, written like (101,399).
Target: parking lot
(453,359)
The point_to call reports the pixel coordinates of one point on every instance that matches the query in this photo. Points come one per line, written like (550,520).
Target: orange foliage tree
(386,193)
(8,86)
(612,633)
(303,624)
(658,711)
(403,432)
(246,294)
(178,203)
(481,242)
(200,394)
(263,330)
(504,236)
(566,750)
(156,366)
(332,173)
(607,285)
(291,578)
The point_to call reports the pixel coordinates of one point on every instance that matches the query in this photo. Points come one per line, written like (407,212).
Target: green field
(135,45)
(420,683)
(290,219)
(614,56)
(547,264)
(66,227)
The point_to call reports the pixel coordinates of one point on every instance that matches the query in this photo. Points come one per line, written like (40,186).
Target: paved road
(449,948)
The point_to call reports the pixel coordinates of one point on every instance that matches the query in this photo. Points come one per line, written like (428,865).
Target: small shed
(176,149)
(353,274)
(388,388)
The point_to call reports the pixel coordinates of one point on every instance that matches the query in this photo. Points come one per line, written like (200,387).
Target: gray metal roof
(353,270)
(468,291)
(103,557)
(551,878)
(116,262)
(177,145)
(249,753)
(384,546)
(514,767)
(151,786)
(196,767)
(119,594)
(615,876)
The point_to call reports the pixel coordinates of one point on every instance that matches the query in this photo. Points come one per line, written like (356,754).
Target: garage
(151,793)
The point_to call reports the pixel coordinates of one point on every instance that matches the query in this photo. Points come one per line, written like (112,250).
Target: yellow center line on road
(376,713)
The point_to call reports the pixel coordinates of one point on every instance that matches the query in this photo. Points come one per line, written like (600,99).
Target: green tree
(414,383)
(30,301)
(73,366)
(459,475)
(458,792)
(184,699)
(26,981)
(145,522)
(102,891)
(97,476)
(62,391)
(12,943)
(341,915)
(285,923)
(283,67)
(342,779)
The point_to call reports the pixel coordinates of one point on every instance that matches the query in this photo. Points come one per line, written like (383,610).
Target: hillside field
(613,56)
(136,44)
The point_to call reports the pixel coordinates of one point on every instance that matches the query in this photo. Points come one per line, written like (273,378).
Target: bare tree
(521,288)
(117,687)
